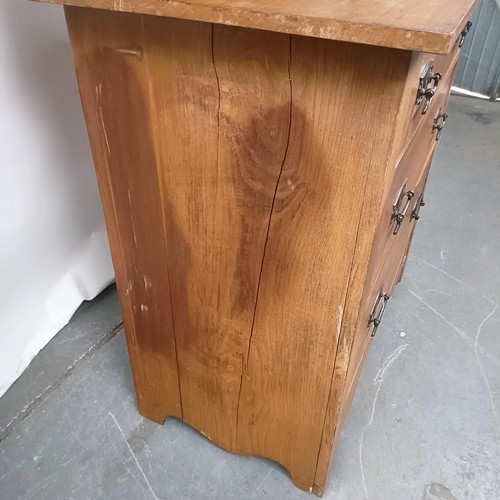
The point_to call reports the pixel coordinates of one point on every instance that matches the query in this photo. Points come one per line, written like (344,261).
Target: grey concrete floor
(425,422)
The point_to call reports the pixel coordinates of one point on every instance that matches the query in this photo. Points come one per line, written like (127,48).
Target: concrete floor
(425,422)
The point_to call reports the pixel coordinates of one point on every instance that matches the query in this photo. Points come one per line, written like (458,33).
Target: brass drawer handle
(425,90)
(439,126)
(399,214)
(466,30)
(415,214)
(376,317)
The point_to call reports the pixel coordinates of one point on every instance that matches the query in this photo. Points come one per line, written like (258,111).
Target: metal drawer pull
(429,95)
(376,317)
(439,126)
(399,214)
(416,211)
(424,86)
(466,30)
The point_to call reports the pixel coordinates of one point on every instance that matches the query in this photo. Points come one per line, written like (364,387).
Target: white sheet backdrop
(53,245)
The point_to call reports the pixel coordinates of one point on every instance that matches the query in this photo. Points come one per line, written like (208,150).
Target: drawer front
(415,216)
(370,316)
(410,167)
(406,199)
(435,76)
(439,86)
(444,63)
(438,66)
(377,296)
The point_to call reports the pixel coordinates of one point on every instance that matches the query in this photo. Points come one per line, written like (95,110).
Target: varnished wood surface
(312,238)
(245,177)
(379,182)
(117,116)
(383,267)
(221,146)
(426,26)
(444,65)
(388,277)
(248,202)
(407,173)
(214,156)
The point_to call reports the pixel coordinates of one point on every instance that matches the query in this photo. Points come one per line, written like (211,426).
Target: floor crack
(377,381)
(481,368)
(35,402)
(141,470)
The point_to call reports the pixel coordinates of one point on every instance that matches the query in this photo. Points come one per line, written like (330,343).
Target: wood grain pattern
(221,127)
(426,26)
(311,241)
(379,174)
(245,177)
(111,77)
(370,267)
(189,115)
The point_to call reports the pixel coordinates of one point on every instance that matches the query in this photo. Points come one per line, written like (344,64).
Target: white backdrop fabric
(53,245)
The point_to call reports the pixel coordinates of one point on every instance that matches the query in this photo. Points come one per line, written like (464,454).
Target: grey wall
(479,65)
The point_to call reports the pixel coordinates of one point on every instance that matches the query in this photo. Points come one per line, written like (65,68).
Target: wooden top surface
(425,25)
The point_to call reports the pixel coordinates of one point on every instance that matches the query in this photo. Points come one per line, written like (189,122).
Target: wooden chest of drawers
(262,167)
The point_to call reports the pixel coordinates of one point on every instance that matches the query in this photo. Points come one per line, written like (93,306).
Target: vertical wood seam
(285,154)
(216,73)
(218,103)
(160,183)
